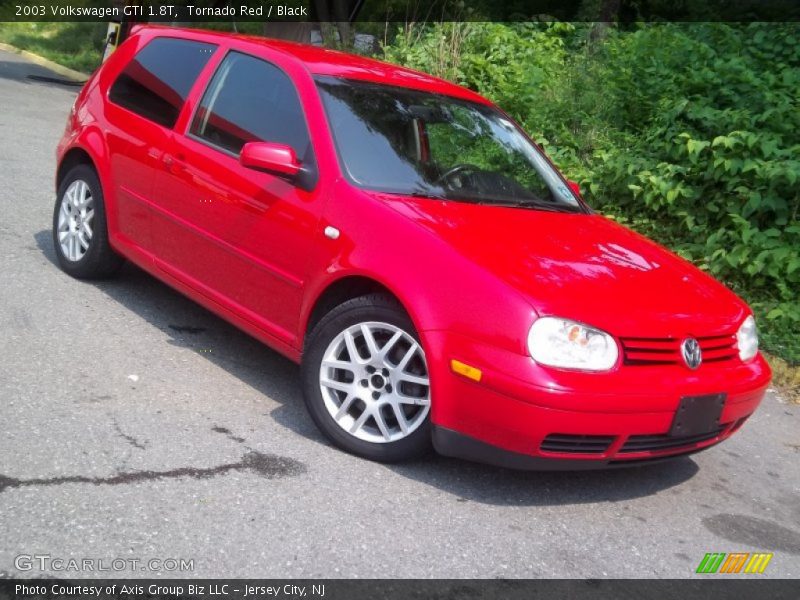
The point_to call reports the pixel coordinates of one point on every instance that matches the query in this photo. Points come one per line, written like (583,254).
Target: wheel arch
(74,157)
(87,147)
(341,290)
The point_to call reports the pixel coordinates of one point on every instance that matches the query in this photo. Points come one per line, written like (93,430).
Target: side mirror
(278,159)
(573,185)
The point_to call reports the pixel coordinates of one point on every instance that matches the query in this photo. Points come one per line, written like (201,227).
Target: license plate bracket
(697,415)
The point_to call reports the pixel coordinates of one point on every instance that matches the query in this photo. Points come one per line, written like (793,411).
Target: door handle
(172,163)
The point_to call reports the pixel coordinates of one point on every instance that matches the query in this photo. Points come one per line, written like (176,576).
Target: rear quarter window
(156,82)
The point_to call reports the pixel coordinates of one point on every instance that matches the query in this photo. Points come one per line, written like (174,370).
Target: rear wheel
(366,380)
(80,233)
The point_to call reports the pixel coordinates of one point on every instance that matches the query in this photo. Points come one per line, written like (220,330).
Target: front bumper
(457,445)
(538,422)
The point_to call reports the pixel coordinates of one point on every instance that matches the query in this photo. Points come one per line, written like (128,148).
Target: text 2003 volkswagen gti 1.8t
(405,241)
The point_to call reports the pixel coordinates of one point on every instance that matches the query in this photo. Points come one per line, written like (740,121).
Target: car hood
(584,267)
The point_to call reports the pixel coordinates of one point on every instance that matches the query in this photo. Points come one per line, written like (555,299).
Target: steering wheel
(451,173)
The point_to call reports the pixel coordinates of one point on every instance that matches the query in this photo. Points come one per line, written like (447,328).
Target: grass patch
(785,377)
(78,46)
(779,337)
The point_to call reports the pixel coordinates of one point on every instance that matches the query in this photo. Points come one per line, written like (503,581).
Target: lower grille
(655,443)
(576,444)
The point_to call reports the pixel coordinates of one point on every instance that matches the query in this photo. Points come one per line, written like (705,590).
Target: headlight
(570,345)
(747,339)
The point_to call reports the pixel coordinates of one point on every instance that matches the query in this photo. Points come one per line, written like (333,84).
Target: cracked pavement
(133,423)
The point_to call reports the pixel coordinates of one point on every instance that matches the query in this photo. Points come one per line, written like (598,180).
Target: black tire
(99,259)
(372,307)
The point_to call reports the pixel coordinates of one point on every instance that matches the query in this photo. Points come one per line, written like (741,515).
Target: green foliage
(78,46)
(689,133)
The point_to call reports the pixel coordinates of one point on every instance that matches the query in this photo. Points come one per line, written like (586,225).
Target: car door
(145,100)
(241,237)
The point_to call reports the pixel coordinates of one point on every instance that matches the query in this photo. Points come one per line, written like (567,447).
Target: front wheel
(366,380)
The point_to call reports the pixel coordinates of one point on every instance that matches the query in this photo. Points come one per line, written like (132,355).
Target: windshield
(409,142)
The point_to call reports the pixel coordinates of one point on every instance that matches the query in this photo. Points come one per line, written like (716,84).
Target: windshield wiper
(536,205)
(434,195)
(540,205)
(548,207)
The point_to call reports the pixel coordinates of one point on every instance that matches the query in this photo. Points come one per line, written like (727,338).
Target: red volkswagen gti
(437,278)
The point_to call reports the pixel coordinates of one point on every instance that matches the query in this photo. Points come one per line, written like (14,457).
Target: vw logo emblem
(690,350)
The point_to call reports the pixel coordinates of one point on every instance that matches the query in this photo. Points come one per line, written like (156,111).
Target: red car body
(472,278)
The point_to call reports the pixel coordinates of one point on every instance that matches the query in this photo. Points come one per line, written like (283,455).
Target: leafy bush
(689,133)
(78,46)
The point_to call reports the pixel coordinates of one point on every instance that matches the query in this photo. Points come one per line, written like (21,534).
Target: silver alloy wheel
(75,220)
(374,382)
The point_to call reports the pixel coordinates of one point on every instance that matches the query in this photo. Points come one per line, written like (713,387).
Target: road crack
(129,438)
(269,466)
(227,433)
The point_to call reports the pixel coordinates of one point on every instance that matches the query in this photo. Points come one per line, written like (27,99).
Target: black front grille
(576,444)
(655,443)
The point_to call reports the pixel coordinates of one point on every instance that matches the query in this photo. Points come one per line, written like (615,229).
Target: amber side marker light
(463,369)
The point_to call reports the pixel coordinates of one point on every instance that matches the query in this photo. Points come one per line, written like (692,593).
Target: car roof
(324,61)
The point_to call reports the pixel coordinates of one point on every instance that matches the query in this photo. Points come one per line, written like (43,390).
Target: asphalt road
(136,425)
